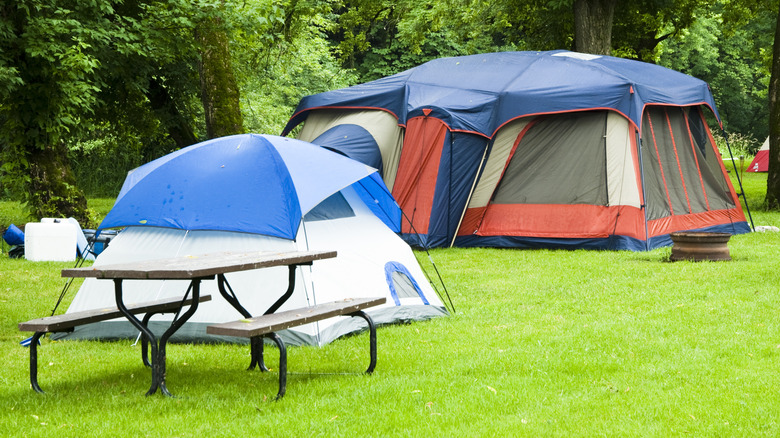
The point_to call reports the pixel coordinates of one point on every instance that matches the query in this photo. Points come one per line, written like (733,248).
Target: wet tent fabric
(354,142)
(249,179)
(479,93)
(345,220)
(540,149)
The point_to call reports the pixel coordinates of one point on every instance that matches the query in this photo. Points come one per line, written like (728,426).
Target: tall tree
(219,90)
(49,79)
(773,178)
(593,26)
(69,68)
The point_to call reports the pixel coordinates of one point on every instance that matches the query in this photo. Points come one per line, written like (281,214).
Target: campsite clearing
(544,343)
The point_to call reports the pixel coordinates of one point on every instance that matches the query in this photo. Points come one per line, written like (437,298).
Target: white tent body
(371,261)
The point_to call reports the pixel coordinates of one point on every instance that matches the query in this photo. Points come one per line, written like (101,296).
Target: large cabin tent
(262,193)
(535,149)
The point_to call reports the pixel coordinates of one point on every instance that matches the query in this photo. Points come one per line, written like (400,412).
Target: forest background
(90,89)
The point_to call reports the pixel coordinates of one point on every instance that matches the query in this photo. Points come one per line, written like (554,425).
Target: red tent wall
(418,171)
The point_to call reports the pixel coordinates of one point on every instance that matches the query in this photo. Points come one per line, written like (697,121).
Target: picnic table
(196,269)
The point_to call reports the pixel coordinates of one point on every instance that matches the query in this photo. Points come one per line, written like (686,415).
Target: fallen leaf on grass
(492,389)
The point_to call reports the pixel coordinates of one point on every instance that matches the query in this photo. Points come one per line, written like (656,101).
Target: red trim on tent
(557,220)
(418,168)
(467,131)
(631,122)
(637,169)
(512,152)
(677,160)
(696,159)
(720,123)
(285,132)
(583,221)
(660,165)
(670,224)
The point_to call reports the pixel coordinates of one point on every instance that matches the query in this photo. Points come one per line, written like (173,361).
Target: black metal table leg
(282,363)
(145,342)
(256,344)
(145,321)
(175,326)
(157,346)
(290,288)
(372,338)
(34,361)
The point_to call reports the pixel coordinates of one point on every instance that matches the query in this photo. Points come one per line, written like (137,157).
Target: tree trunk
(593,26)
(219,91)
(53,188)
(773,179)
(169,115)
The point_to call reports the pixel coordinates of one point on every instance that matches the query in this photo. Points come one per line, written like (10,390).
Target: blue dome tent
(262,193)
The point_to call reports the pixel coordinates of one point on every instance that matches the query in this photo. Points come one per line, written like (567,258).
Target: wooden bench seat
(68,321)
(258,327)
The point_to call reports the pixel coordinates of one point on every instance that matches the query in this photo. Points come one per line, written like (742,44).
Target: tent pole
(644,195)
(471,193)
(739,179)
(425,248)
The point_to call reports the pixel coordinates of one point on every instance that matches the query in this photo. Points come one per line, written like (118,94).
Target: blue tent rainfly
(250,183)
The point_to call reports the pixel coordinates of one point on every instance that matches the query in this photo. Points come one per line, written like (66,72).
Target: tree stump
(699,246)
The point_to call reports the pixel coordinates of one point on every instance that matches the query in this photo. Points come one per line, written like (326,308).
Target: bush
(740,144)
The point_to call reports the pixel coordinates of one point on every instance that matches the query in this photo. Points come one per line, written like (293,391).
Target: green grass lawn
(544,343)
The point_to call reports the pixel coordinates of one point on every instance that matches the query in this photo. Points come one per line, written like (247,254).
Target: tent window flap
(559,160)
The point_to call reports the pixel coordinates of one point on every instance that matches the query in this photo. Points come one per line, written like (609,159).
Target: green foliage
(740,145)
(733,60)
(280,55)
(383,38)
(372,36)
(101,165)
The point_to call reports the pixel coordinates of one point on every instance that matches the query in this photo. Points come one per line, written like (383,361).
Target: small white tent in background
(337,212)
(761,162)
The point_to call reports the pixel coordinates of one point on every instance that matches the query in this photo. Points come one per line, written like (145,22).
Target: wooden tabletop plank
(198,266)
